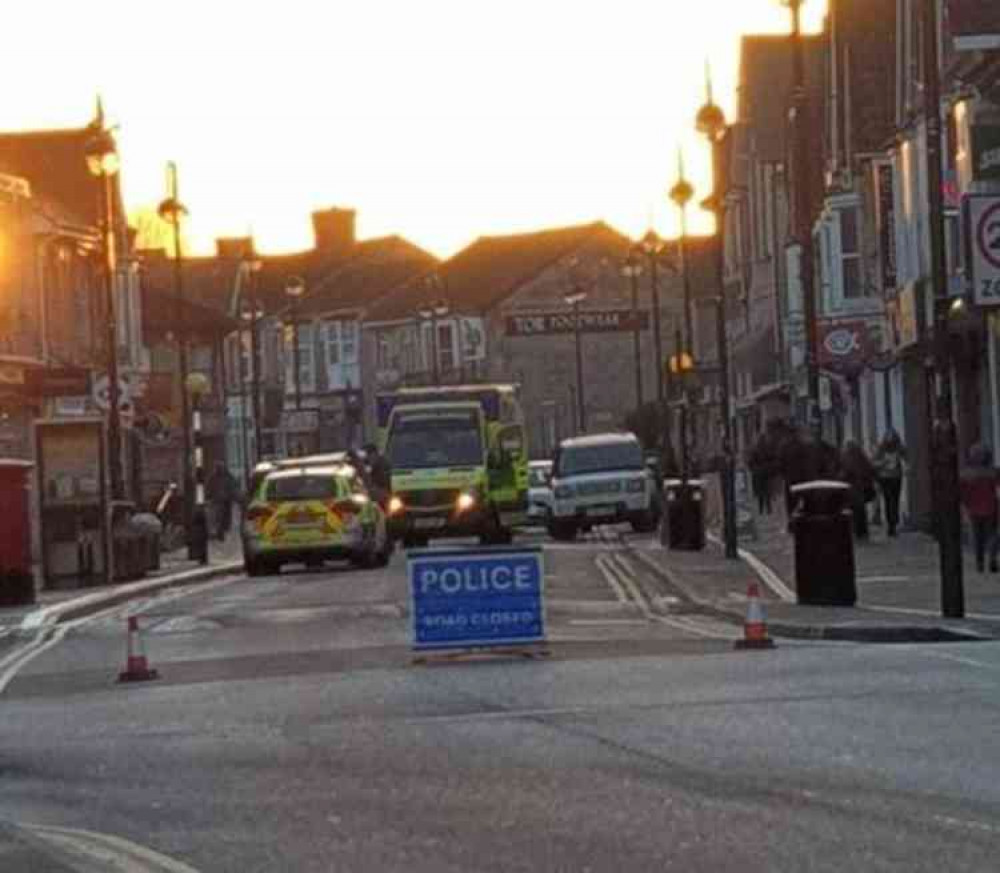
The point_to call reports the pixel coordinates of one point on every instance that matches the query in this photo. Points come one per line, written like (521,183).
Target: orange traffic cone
(755,627)
(137,668)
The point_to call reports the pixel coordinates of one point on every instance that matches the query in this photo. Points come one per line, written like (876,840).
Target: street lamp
(681,194)
(251,314)
(432,312)
(173,211)
(575,299)
(102,161)
(196,385)
(632,270)
(711,121)
(295,287)
(652,246)
(801,229)
(946,493)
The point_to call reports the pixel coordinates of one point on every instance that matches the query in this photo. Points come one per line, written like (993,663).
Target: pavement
(68,603)
(898,583)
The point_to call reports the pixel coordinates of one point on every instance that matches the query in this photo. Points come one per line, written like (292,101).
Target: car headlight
(466,501)
(636,485)
(396,505)
(564,492)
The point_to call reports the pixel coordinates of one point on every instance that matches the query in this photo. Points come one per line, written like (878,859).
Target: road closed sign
(476,598)
(982,226)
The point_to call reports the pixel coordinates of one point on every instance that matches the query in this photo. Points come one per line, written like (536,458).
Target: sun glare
(440,121)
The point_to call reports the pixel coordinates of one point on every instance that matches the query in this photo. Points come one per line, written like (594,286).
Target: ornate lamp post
(574,300)
(802,160)
(102,161)
(173,211)
(652,246)
(681,194)
(295,288)
(632,270)
(711,121)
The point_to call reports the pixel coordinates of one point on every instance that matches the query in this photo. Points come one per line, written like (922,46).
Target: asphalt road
(290,731)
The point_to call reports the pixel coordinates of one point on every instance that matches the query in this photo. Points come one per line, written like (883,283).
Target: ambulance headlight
(466,501)
(396,505)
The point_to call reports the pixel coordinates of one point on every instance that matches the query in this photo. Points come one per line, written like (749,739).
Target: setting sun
(438,121)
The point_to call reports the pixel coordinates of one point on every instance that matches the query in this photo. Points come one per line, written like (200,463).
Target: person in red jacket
(979,497)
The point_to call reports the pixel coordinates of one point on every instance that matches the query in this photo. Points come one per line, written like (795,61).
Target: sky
(438,120)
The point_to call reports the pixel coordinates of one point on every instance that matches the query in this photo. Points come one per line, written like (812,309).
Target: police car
(311,514)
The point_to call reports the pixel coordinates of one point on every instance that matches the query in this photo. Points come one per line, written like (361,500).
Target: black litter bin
(822,526)
(684,520)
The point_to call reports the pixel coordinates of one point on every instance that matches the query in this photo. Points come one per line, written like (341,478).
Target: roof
(159,315)
(208,281)
(333,282)
(55,163)
(487,272)
(765,84)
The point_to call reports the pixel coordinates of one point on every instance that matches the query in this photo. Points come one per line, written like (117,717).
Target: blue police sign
(474,598)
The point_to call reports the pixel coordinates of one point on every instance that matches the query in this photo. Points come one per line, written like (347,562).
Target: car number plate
(426,523)
(600,510)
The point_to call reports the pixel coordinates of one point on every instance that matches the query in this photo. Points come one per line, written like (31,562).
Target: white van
(601,479)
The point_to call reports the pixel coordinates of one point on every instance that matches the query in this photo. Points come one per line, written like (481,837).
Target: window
(850,255)
(446,345)
(307,362)
(341,341)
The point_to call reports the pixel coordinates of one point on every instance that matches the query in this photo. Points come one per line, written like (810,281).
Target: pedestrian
(379,474)
(859,473)
(220,489)
(979,497)
(890,459)
(763,464)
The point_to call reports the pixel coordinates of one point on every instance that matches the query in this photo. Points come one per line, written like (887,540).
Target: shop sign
(591,321)
(843,346)
(973,24)
(60,382)
(986,152)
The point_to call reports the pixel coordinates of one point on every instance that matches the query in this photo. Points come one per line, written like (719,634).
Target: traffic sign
(476,598)
(982,226)
(102,393)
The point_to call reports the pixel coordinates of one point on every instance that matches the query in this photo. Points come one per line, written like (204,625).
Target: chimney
(236,247)
(333,231)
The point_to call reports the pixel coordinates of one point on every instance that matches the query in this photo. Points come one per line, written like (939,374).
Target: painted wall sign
(591,321)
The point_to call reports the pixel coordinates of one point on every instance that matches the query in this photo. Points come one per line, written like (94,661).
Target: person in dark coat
(220,489)
(807,457)
(859,473)
(979,481)
(763,464)
(379,474)
(889,461)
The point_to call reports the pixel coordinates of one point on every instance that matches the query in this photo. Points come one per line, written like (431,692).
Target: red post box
(17,584)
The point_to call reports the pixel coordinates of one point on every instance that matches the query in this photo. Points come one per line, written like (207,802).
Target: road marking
(971,662)
(110,852)
(986,616)
(883,579)
(48,637)
(611,578)
(771,579)
(689,625)
(592,622)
